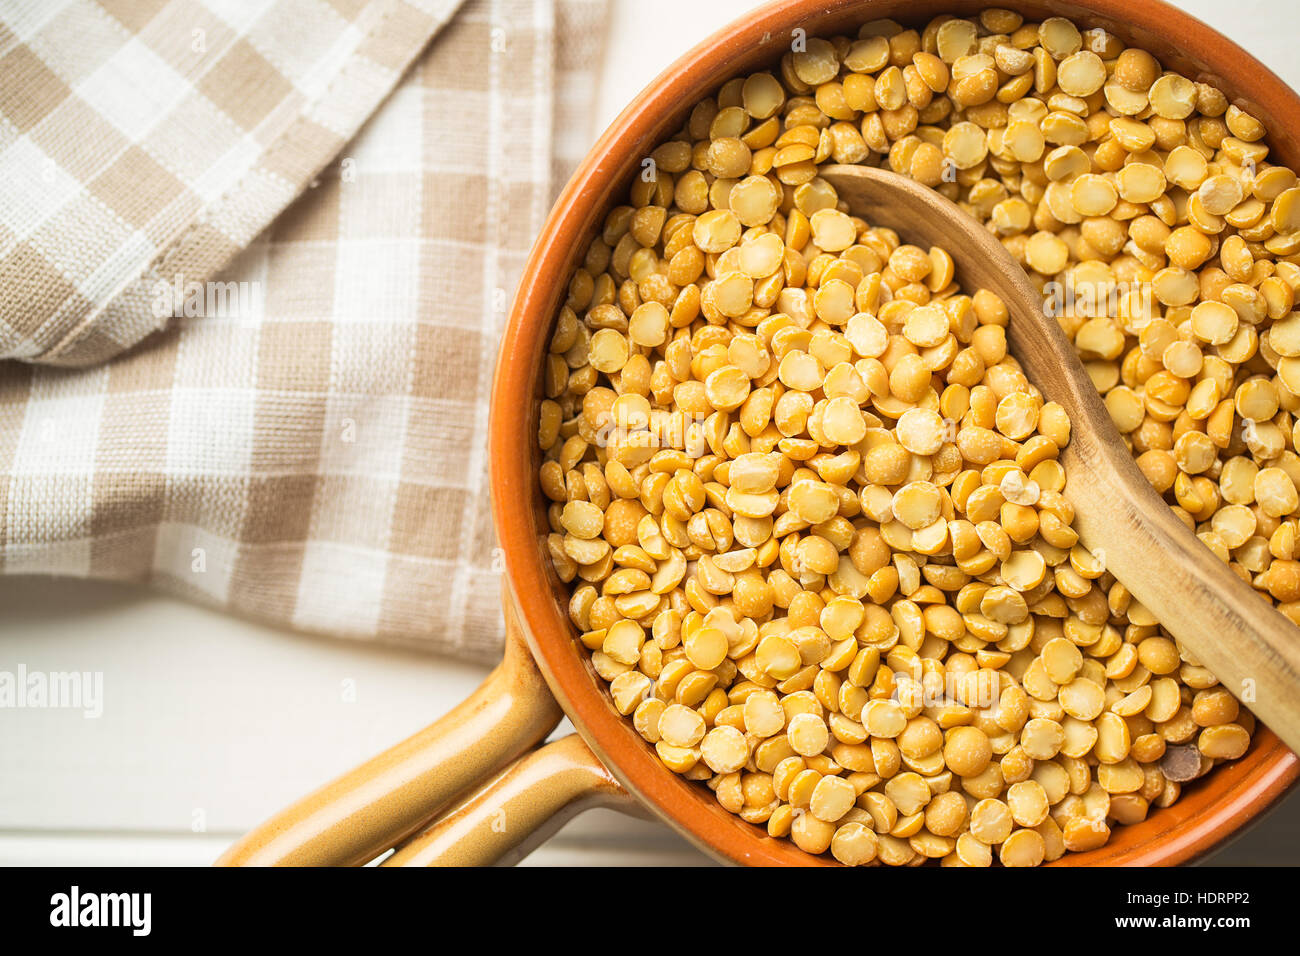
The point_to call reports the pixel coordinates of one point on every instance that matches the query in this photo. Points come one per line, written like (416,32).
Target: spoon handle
(1248,645)
(1218,617)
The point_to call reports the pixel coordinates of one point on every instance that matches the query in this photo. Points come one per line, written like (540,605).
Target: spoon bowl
(1239,636)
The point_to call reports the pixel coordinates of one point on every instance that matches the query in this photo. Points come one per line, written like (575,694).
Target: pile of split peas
(811,510)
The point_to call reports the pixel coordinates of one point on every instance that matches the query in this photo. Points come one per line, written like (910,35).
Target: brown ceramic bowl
(1209,811)
(420,796)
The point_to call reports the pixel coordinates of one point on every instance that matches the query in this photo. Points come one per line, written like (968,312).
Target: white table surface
(210,723)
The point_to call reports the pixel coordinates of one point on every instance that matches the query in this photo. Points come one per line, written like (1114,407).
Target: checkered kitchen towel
(273,405)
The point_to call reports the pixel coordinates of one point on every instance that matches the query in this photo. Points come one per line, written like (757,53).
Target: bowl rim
(1206,815)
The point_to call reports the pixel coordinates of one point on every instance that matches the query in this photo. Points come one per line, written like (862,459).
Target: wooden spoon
(1232,630)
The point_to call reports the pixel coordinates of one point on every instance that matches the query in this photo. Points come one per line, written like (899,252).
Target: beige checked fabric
(304,441)
(144,139)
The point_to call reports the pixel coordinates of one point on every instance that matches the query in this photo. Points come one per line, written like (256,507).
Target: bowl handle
(519,810)
(379,804)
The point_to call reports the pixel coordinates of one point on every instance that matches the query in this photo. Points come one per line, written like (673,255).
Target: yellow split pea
(810,509)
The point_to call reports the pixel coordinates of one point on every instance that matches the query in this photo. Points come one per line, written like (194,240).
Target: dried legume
(809,506)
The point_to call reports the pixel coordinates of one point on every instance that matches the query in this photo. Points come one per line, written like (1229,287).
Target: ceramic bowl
(1210,810)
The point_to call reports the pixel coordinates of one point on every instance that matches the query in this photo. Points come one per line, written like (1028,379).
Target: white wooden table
(211,723)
